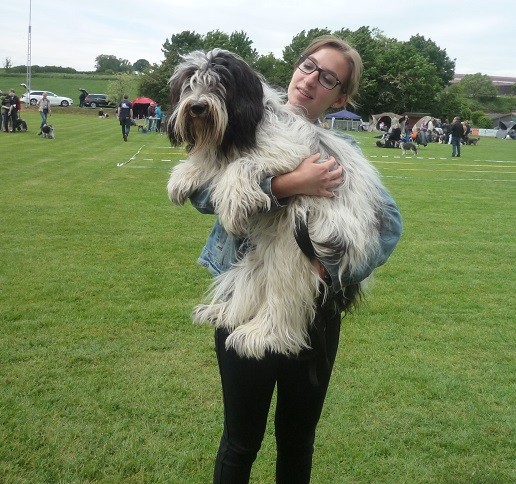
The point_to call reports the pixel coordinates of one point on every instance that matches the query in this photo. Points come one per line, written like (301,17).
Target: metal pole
(29,53)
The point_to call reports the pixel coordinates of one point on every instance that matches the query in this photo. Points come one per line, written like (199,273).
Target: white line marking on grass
(484,180)
(132,157)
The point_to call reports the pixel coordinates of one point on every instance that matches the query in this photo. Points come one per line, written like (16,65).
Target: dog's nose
(197,109)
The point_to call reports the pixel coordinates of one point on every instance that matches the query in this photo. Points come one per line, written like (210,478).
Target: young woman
(44,110)
(327,75)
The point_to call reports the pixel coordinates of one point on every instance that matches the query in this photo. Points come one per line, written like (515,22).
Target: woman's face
(305,91)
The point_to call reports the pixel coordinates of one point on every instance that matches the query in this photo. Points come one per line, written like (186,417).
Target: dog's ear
(176,83)
(244,101)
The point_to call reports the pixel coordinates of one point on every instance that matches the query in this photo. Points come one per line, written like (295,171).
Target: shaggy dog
(407,146)
(47,131)
(21,125)
(472,141)
(238,131)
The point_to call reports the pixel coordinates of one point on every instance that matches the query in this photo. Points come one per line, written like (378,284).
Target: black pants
(248,386)
(125,123)
(7,120)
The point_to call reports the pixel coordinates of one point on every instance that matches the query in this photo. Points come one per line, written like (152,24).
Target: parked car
(54,99)
(99,101)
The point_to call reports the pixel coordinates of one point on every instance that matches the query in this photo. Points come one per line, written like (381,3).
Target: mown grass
(104,378)
(67,85)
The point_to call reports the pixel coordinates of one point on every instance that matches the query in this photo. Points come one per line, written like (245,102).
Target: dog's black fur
(21,125)
(243,99)
(48,131)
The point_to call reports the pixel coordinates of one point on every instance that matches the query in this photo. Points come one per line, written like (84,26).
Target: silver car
(55,100)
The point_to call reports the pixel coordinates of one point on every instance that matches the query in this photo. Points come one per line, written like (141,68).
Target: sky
(479,36)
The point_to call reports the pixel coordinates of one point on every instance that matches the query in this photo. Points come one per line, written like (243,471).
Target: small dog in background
(408,146)
(103,115)
(21,125)
(472,141)
(47,131)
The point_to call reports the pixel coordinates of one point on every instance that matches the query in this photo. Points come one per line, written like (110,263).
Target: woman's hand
(310,178)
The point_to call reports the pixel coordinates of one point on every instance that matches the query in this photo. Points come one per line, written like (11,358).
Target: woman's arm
(389,233)
(309,178)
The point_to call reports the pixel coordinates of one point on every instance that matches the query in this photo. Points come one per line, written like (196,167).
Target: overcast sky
(480,36)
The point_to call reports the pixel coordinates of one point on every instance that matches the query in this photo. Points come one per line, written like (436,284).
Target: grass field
(104,379)
(67,85)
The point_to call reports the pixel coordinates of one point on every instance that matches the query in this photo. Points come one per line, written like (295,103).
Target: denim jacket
(223,249)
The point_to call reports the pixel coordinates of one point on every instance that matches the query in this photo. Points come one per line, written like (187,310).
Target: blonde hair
(350,55)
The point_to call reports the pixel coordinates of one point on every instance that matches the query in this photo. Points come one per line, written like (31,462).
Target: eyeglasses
(325,78)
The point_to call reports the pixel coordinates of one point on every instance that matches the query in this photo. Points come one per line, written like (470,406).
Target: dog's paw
(184,179)
(215,314)
(235,223)
(234,212)
(204,314)
(177,195)
(178,190)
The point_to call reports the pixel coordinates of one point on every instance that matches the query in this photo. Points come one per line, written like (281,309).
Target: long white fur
(267,299)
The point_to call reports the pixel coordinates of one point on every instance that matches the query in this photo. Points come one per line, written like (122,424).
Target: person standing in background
(457,131)
(12,101)
(2,99)
(159,116)
(125,116)
(44,111)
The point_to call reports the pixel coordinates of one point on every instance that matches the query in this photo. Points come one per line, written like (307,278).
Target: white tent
(505,127)
(421,121)
(376,118)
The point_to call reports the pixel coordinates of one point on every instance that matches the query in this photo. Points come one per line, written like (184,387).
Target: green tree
(123,84)
(216,39)
(299,43)
(111,63)
(366,41)
(478,86)
(276,71)
(398,76)
(180,44)
(242,45)
(140,65)
(449,103)
(445,67)
(154,82)
(407,82)
(484,122)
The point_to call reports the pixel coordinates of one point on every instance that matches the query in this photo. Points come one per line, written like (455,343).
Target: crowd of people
(126,117)
(432,131)
(10,107)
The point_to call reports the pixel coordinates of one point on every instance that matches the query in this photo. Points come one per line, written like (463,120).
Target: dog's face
(216,101)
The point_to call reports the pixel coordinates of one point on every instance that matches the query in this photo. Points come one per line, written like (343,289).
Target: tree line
(399,76)
(104,64)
